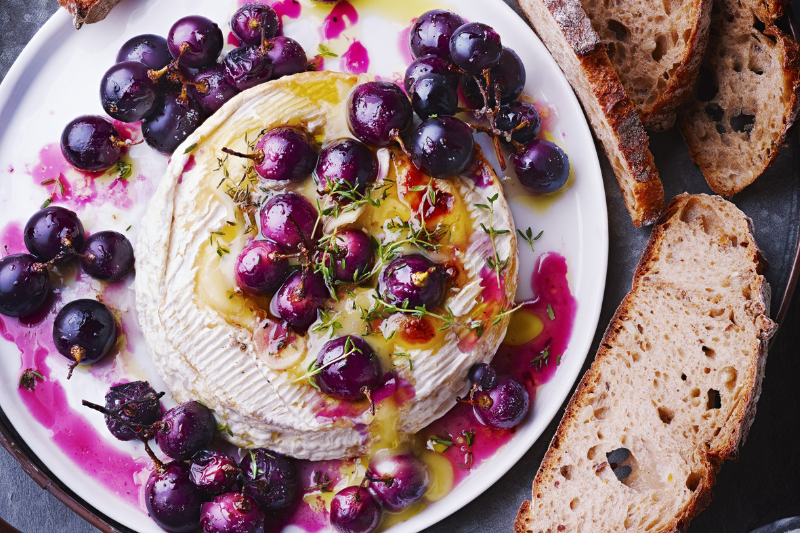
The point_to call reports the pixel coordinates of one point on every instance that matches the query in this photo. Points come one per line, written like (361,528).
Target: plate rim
(13,442)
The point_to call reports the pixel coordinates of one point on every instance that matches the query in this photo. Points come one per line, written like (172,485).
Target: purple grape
(350,254)
(430,64)
(173,120)
(127,92)
(354,510)
(150,50)
(270,478)
(107,256)
(24,285)
(483,375)
(185,430)
(254,20)
(512,115)
(346,165)
(259,271)
(219,90)
(232,513)
(378,112)
(504,406)
(247,66)
(54,234)
(196,40)
(214,472)
(285,154)
(434,95)
(442,147)
(287,57)
(91,144)
(143,413)
(397,481)
(508,74)
(413,281)
(299,299)
(348,368)
(291,221)
(475,47)
(431,33)
(84,331)
(542,168)
(172,500)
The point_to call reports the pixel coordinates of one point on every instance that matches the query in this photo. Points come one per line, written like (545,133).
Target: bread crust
(711,458)
(88,11)
(567,32)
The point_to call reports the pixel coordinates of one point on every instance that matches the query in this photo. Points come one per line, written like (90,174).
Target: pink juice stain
(11,239)
(233,40)
(551,288)
(391,386)
(288,8)
(356,59)
(335,24)
(403,44)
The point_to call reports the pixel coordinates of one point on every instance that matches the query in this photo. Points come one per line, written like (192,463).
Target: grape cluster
(173,84)
(84,330)
(198,487)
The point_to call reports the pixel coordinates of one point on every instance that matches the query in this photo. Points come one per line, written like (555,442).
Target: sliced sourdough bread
(673,389)
(746,97)
(88,11)
(656,49)
(567,32)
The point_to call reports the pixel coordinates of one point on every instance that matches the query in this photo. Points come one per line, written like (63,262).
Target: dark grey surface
(763,486)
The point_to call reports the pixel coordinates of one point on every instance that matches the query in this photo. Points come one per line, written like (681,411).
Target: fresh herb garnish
(529,238)
(550,312)
(124,170)
(324,51)
(28,379)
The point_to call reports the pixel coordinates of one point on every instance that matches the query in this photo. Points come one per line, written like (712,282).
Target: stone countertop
(763,486)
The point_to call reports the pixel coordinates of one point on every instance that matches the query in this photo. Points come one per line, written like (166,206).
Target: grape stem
(257,157)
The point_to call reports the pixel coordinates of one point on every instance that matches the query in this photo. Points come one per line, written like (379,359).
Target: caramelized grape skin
(346,165)
(346,366)
(429,64)
(511,117)
(247,66)
(233,512)
(91,144)
(433,95)
(286,56)
(54,234)
(542,167)
(173,120)
(299,299)
(203,38)
(405,480)
(23,286)
(143,413)
(151,51)
(258,270)
(219,90)
(475,47)
(214,472)
(85,324)
(442,146)
(249,20)
(377,112)
(509,74)
(107,256)
(127,92)
(276,476)
(289,220)
(431,33)
(504,406)
(483,375)
(354,510)
(413,280)
(172,500)
(185,430)
(288,154)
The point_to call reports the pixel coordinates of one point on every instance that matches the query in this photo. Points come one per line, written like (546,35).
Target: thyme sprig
(28,379)
(495,262)
(529,237)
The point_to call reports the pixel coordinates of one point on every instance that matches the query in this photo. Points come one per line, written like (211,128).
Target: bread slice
(567,32)
(88,11)
(656,49)
(672,392)
(746,97)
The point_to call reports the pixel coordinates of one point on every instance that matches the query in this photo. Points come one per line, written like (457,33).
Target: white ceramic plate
(56,78)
